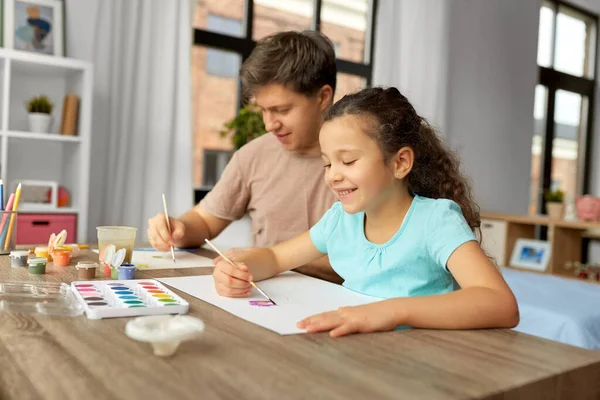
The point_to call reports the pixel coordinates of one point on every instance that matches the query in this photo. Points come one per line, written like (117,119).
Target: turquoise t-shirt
(411,263)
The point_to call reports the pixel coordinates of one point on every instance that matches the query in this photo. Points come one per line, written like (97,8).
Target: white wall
(492,76)
(80,29)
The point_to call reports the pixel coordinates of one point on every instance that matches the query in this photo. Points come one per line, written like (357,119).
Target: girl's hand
(231,281)
(374,317)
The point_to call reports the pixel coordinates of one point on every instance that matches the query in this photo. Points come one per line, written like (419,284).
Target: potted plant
(245,126)
(40,110)
(554,203)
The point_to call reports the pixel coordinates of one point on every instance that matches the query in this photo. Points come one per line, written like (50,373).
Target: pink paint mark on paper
(260,303)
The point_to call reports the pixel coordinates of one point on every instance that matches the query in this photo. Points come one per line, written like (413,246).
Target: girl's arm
(484,301)
(261,263)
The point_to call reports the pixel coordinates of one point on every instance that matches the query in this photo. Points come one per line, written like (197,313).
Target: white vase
(40,122)
(555,210)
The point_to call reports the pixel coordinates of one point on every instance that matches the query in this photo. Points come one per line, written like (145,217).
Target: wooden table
(44,357)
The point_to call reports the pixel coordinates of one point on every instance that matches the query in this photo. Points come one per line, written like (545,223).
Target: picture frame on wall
(531,254)
(34,25)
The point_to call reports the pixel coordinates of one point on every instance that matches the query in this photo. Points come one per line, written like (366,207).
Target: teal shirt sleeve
(322,230)
(449,230)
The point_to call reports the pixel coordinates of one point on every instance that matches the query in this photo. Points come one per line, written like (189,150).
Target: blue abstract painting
(33,28)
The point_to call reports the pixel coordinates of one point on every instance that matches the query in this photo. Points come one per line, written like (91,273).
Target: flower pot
(555,210)
(40,122)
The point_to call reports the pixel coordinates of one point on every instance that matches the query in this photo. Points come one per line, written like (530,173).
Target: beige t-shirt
(283,192)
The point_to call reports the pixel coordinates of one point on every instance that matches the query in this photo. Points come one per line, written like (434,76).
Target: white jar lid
(86,265)
(19,253)
(37,260)
(164,332)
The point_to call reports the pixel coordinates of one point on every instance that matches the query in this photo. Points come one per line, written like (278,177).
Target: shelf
(55,137)
(60,210)
(27,63)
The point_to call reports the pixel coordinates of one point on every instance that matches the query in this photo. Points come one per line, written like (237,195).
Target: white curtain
(141,134)
(411,53)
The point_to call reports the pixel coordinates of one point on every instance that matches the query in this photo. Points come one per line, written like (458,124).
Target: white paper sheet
(159,260)
(297,296)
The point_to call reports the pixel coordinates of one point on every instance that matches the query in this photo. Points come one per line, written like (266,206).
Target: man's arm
(321,269)
(200,225)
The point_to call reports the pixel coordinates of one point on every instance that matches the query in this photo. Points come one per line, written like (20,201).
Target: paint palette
(127,298)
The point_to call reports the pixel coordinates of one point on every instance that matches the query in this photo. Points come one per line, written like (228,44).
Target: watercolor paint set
(127,298)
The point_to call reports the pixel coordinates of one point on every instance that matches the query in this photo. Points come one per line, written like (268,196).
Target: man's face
(294,118)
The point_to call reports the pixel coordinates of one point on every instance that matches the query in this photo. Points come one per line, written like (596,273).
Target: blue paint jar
(126,271)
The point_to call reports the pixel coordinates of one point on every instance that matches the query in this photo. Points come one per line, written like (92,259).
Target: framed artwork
(531,254)
(34,25)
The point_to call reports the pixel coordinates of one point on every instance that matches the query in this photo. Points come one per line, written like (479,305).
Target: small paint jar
(18,258)
(37,265)
(114,273)
(127,271)
(107,270)
(42,251)
(86,269)
(61,257)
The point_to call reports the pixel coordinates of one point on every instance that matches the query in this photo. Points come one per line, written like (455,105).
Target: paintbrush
(168,223)
(232,263)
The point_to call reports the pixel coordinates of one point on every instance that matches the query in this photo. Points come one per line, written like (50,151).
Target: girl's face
(354,165)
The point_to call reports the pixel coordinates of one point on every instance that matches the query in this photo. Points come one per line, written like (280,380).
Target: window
(563,102)
(214,164)
(225,32)
(219,62)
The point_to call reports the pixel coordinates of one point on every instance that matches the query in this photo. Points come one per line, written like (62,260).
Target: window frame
(245,44)
(555,80)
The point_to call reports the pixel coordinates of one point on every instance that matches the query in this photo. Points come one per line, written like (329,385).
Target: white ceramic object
(164,332)
(39,122)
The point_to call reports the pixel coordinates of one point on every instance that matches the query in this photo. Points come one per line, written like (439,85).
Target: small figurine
(588,208)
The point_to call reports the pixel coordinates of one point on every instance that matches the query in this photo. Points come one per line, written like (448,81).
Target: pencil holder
(8,231)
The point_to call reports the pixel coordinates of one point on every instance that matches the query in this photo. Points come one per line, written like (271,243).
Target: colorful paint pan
(82,285)
(161,296)
(155,291)
(97,303)
(122,292)
(128,297)
(167,300)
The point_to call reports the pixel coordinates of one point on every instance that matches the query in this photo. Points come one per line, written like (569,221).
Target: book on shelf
(70,113)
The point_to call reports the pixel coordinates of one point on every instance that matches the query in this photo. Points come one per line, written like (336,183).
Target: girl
(403,229)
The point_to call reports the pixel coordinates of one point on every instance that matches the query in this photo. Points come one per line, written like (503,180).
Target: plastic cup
(123,237)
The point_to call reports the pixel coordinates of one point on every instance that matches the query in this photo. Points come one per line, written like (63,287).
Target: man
(277,178)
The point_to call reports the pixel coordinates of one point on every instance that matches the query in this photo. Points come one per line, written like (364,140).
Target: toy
(584,271)
(588,208)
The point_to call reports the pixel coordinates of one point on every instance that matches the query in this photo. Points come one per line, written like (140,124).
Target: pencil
(232,263)
(12,216)
(164,199)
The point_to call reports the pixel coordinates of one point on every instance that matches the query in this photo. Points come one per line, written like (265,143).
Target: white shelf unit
(46,156)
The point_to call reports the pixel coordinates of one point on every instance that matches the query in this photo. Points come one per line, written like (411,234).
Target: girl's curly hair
(436,170)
